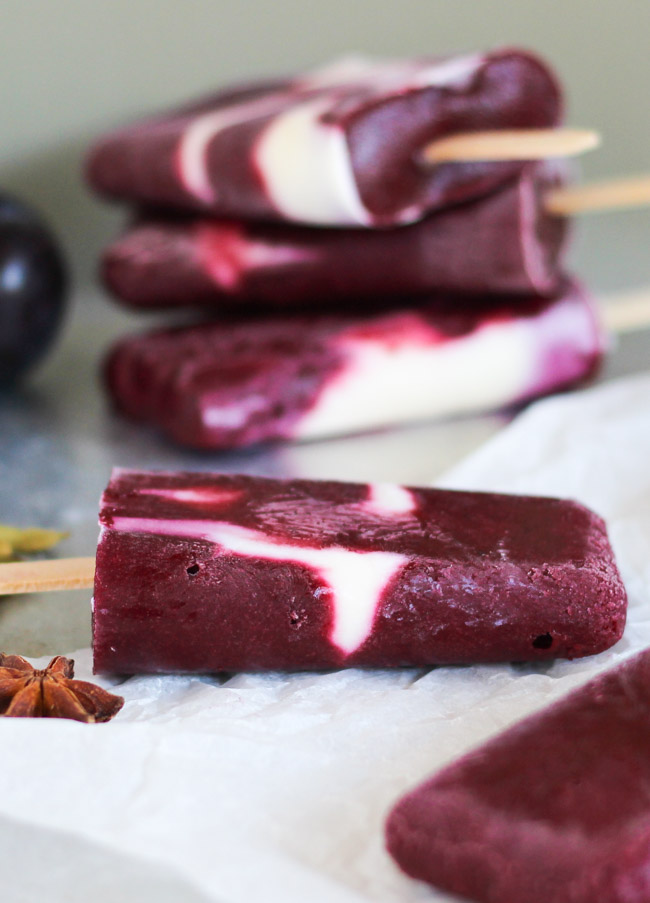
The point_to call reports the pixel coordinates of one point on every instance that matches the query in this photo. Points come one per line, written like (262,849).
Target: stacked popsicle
(352,283)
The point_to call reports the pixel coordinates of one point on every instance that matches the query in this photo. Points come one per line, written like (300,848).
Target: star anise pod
(27,692)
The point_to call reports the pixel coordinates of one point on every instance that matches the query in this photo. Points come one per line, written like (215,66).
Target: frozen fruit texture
(339,146)
(238,382)
(556,808)
(504,242)
(205,572)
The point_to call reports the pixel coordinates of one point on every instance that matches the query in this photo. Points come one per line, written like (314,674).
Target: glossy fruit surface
(32,289)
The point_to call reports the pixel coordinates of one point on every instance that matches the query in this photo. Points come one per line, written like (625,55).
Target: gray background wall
(71,68)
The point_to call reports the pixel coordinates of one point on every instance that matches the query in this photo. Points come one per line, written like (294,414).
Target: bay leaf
(26,540)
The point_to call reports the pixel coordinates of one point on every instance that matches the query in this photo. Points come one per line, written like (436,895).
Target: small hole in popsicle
(192,570)
(543,641)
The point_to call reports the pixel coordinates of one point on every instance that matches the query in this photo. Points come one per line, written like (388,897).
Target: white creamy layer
(393,382)
(234,415)
(305,163)
(389,499)
(356,580)
(393,76)
(200,495)
(228,255)
(456,72)
(193,147)
(306,168)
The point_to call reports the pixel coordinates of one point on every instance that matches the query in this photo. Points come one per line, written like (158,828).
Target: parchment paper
(275,787)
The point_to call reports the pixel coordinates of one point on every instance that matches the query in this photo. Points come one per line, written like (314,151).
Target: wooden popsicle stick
(515,144)
(41,576)
(613,194)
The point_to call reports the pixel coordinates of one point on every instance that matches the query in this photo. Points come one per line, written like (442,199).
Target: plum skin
(33,283)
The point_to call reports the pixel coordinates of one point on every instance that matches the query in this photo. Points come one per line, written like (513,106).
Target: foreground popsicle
(208,572)
(554,809)
(502,243)
(340,146)
(235,382)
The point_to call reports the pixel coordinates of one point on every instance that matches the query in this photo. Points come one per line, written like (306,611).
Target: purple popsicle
(209,572)
(238,382)
(501,243)
(554,809)
(339,146)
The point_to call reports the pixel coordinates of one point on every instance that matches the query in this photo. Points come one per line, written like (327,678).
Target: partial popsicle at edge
(555,808)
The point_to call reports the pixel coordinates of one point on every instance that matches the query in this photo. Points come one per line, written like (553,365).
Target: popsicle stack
(355,272)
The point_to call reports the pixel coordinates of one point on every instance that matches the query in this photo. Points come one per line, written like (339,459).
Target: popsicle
(204,572)
(554,809)
(238,382)
(505,242)
(339,146)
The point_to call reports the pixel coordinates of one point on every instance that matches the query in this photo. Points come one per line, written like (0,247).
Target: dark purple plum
(32,289)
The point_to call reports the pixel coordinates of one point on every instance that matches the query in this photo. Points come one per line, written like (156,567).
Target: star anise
(26,692)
